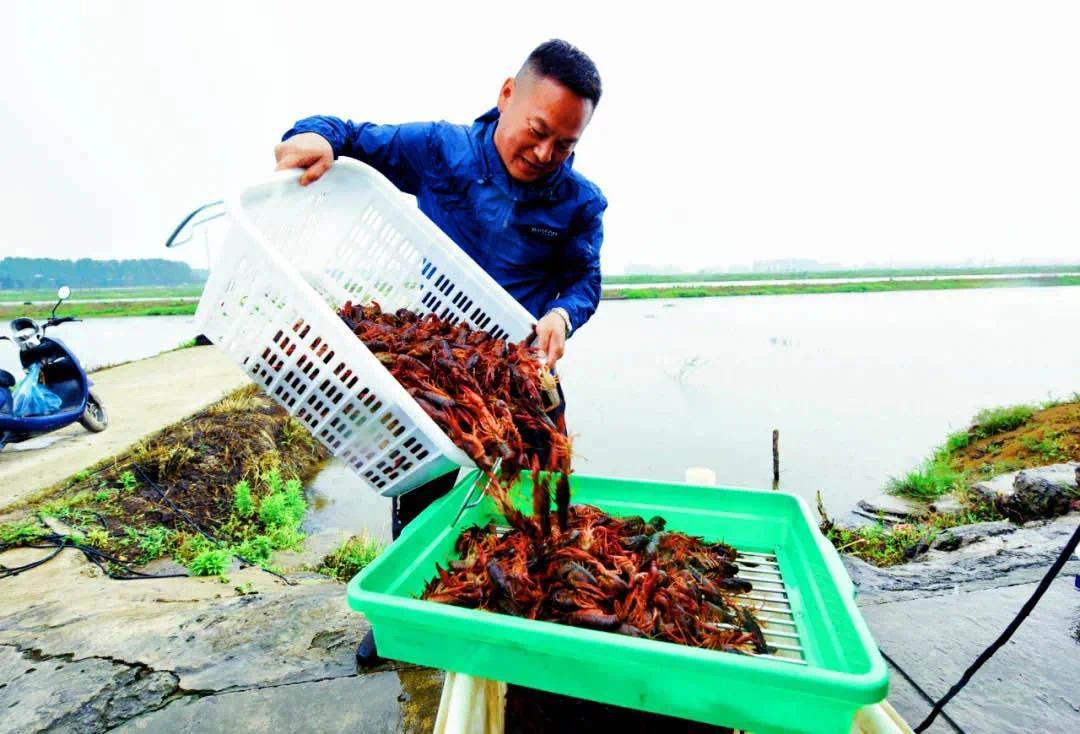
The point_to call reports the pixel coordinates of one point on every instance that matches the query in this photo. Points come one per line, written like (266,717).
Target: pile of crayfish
(485,393)
(624,575)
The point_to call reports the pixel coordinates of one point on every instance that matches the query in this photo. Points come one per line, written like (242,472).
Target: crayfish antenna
(541,500)
(562,500)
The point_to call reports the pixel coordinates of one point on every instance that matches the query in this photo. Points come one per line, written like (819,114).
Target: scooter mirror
(63,293)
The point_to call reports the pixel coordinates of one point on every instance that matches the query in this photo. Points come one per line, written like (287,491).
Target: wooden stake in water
(776,459)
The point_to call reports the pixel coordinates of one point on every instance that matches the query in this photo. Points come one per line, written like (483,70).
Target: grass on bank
(351,558)
(876,286)
(102,309)
(102,294)
(889,546)
(999,440)
(176,307)
(836,274)
(236,469)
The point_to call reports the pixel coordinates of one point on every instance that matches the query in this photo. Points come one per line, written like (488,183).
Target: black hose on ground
(96,556)
(918,689)
(1029,605)
(99,558)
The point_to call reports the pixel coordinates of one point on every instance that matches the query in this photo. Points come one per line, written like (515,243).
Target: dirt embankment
(1050,436)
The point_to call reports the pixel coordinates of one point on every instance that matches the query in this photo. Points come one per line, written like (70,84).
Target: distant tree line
(36,272)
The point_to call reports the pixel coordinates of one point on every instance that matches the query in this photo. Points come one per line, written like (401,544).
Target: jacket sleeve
(579,282)
(400,152)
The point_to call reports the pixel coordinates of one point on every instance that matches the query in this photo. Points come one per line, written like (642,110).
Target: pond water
(860,386)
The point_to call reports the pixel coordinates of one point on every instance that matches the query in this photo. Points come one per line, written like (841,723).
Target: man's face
(540,122)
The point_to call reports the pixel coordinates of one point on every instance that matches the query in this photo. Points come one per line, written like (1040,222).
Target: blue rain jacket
(539,241)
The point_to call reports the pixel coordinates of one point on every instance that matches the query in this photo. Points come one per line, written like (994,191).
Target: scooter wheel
(94,418)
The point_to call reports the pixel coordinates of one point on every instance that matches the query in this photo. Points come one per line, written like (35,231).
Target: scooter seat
(6,379)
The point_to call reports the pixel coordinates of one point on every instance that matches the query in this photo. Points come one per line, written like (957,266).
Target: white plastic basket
(293,255)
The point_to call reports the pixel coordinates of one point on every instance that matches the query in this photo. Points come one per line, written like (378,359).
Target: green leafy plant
(1047,447)
(294,433)
(256,549)
(20,532)
(154,542)
(210,563)
(284,538)
(191,546)
(351,558)
(957,441)
(285,506)
(243,504)
(98,538)
(128,481)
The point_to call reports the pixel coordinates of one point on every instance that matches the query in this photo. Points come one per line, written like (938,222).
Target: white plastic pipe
(700,475)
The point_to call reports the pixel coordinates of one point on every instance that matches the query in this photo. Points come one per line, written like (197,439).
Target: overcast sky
(728,132)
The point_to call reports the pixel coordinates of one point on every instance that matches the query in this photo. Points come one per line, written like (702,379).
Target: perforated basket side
(281,332)
(353,237)
(293,256)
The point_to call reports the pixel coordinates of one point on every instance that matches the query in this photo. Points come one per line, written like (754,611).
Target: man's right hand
(309,151)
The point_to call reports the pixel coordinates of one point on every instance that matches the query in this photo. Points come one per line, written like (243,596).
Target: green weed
(285,506)
(888,546)
(20,532)
(1047,447)
(210,563)
(98,538)
(351,558)
(992,421)
(284,538)
(257,549)
(932,480)
(191,546)
(243,505)
(128,481)
(154,542)
(957,441)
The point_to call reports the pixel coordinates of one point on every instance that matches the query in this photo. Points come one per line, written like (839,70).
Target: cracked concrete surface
(82,652)
(935,616)
(61,694)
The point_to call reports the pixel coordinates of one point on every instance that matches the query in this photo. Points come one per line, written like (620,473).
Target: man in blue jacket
(502,188)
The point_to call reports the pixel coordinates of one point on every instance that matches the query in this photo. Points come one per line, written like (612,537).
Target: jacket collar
(494,170)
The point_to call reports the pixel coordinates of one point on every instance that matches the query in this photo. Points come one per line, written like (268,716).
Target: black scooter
(61,372)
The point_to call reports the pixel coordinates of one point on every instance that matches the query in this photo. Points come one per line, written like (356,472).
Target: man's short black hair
(568,65)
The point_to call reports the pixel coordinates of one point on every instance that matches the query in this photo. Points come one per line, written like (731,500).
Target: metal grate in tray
(771,605)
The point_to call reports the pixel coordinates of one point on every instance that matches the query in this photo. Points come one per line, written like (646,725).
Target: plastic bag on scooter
(33,398)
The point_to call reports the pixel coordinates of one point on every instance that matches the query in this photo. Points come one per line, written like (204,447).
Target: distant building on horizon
(650,269)
(791,265)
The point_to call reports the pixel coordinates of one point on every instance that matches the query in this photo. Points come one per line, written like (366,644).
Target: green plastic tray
(817,688)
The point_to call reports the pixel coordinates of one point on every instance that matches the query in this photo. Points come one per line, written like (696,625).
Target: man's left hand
(551,337)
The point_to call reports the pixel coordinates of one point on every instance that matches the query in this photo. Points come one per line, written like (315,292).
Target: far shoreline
(185,306)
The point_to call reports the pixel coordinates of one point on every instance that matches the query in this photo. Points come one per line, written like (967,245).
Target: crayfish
(486,394)
(600,575)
